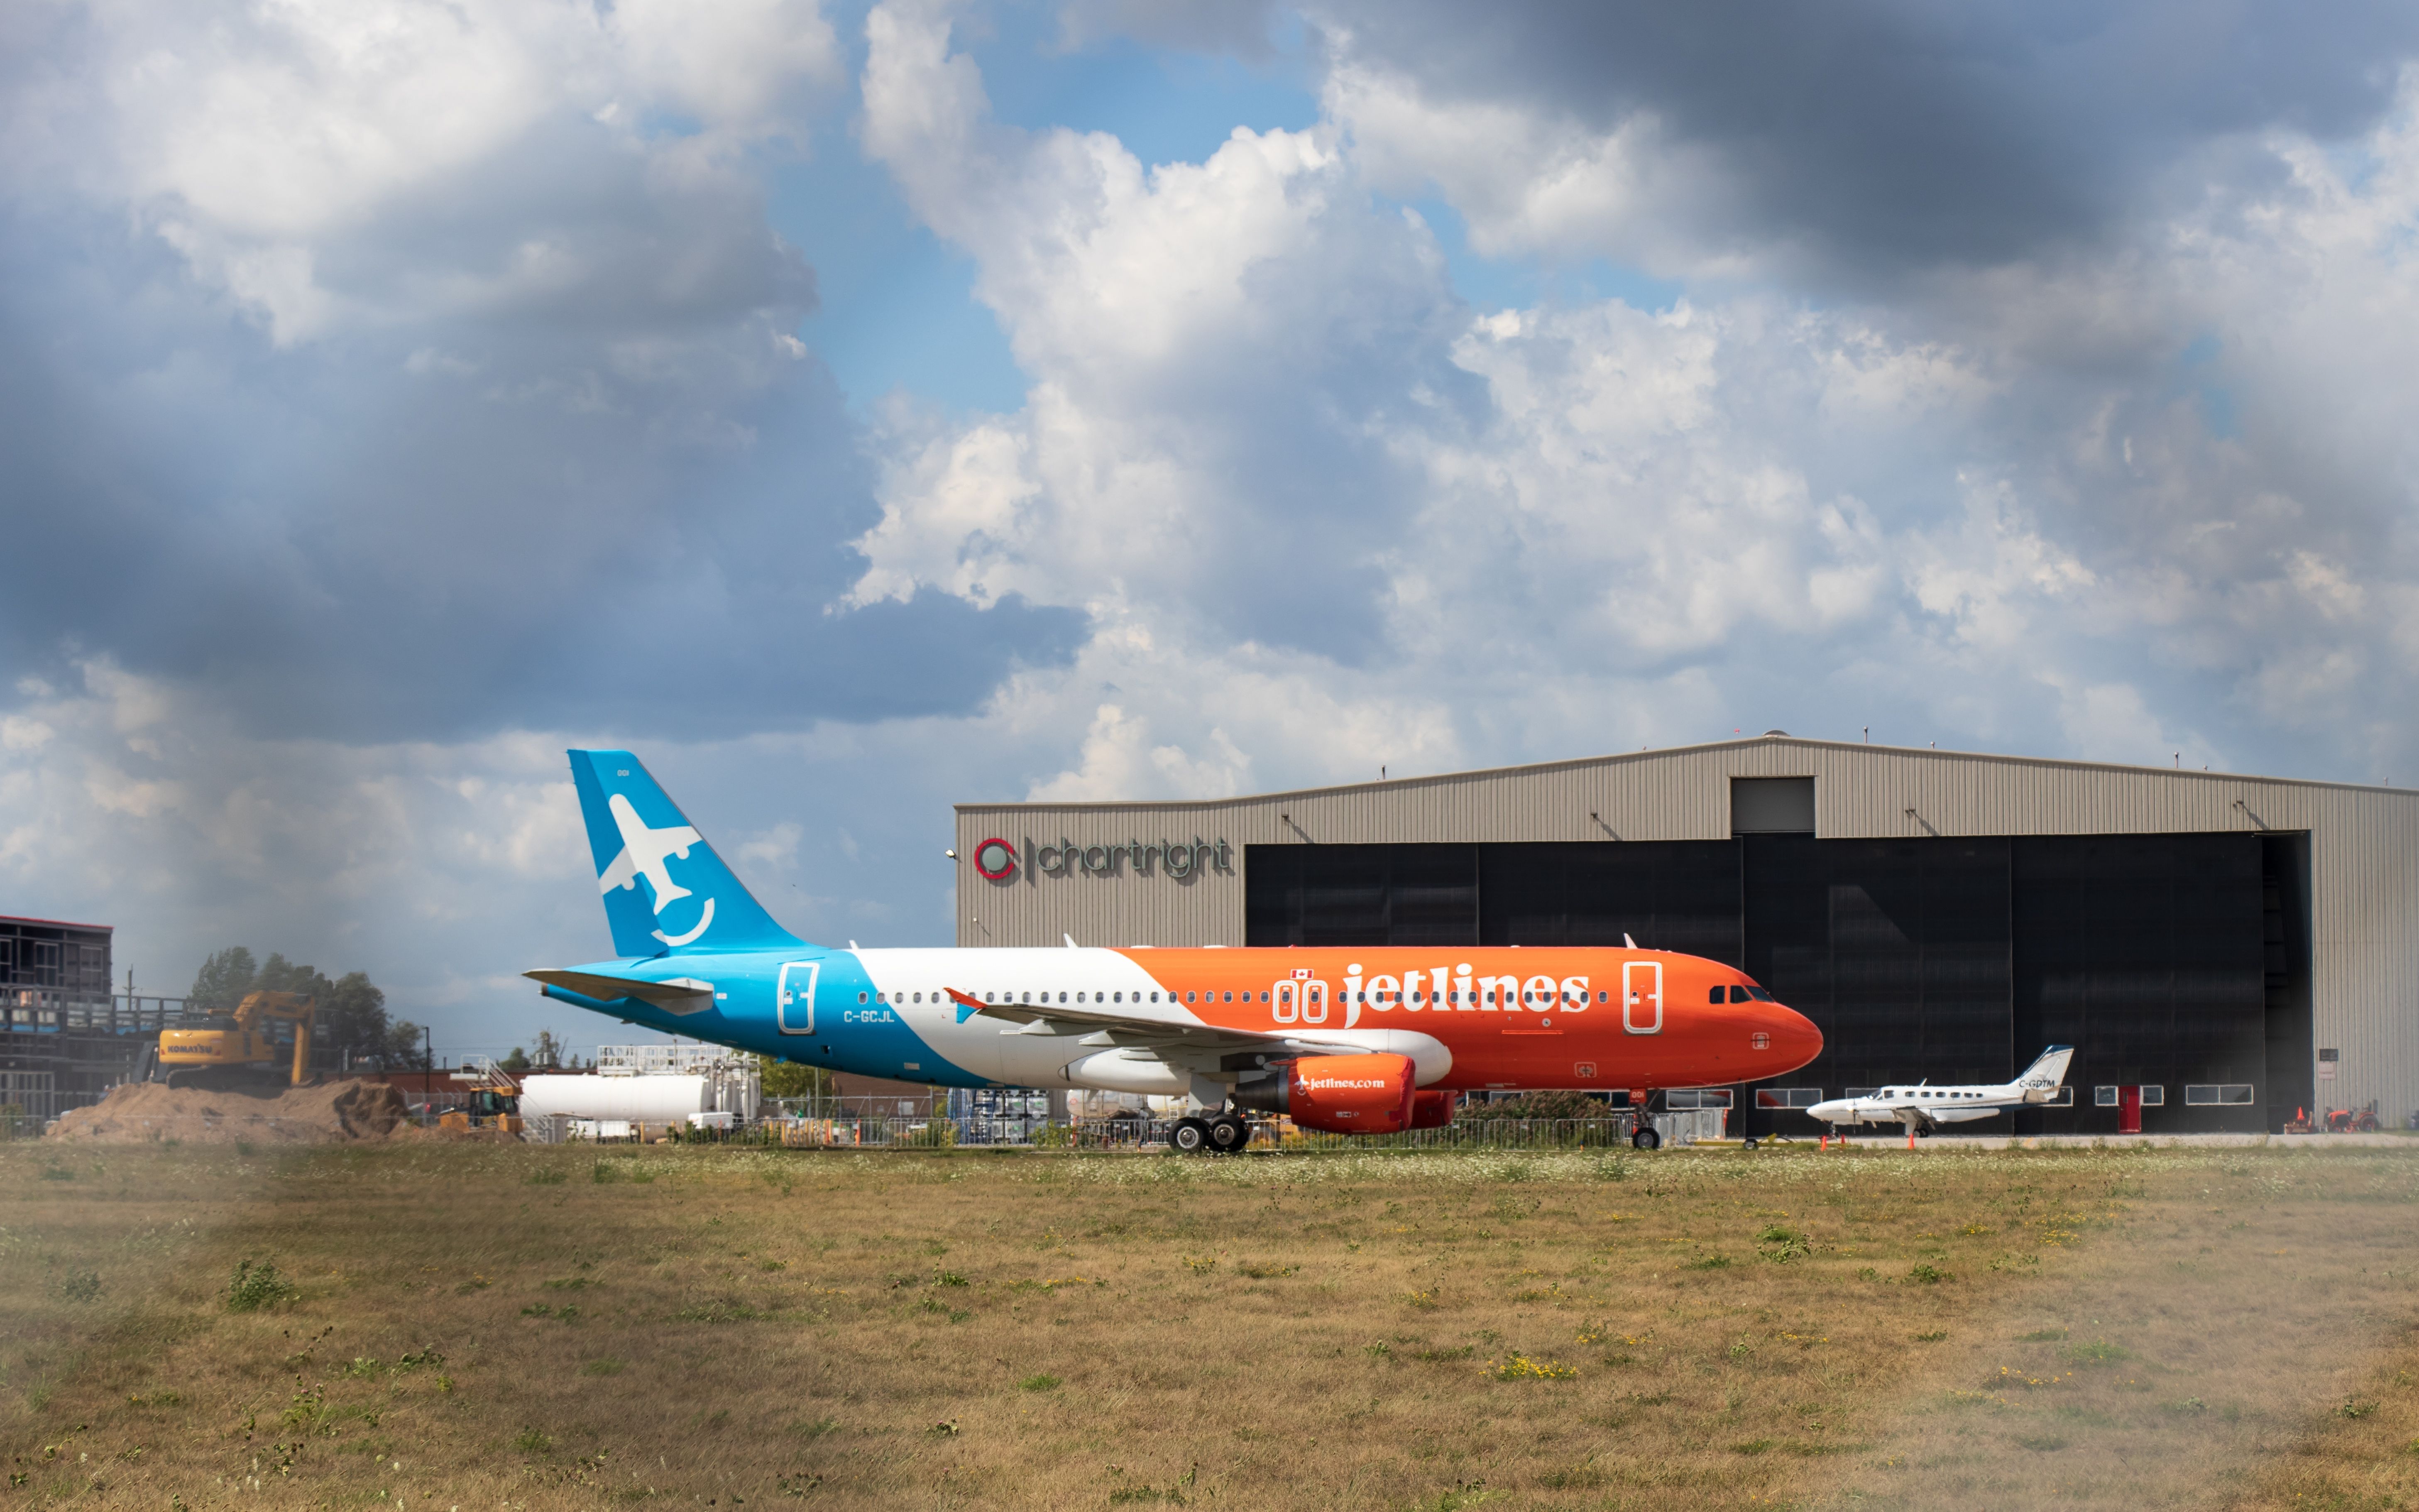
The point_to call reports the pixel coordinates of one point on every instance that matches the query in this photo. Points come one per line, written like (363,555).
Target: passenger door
(1642,996)
(794,997)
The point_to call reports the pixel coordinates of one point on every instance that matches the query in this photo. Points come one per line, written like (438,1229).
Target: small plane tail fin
(2049,1071)
(664,887)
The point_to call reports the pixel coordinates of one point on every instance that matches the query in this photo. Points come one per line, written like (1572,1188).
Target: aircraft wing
(1965,1114)
(1100,1026)
(676,995)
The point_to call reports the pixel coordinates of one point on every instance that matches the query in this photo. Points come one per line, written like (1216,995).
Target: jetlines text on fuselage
(1304,999)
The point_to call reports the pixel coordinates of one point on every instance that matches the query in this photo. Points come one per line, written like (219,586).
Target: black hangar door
(2144,953)
(1898,950)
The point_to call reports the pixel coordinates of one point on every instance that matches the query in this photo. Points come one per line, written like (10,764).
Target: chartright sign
(998,860)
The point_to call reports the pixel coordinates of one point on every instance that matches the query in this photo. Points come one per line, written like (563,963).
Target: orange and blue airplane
(1365,1040)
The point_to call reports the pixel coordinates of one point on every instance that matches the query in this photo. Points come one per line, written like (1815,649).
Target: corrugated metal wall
(2364,924)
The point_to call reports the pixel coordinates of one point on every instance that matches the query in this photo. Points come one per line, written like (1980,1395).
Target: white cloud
(1576,502)
(1990,573)
(770,850)
(18,733)
(738,64)
(953,514)
(1530,180)
(1976,502)
(268,142)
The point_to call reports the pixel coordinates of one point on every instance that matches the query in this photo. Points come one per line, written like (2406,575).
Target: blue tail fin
(665,889)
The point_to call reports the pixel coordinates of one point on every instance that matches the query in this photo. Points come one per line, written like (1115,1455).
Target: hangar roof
(1972,792)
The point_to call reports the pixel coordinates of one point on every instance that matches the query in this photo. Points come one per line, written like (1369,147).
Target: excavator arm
(259,1010)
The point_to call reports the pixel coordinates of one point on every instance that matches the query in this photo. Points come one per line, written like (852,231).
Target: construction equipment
(241,1051)
(2336,1121)
(495,1098)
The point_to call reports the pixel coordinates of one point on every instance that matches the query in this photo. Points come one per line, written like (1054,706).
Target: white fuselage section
(911,986)
(1920,1104)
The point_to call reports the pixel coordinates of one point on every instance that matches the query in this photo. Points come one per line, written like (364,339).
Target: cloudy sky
(856,410)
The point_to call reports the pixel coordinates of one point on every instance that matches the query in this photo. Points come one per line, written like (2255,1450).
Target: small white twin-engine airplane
(1924,1108)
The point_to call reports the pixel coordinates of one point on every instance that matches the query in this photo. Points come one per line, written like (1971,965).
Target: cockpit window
(1739,994)
(1759,995)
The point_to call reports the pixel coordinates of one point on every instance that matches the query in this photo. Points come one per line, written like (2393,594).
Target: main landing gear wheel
(1191,1136)
(1647,1139)
(1228,1135)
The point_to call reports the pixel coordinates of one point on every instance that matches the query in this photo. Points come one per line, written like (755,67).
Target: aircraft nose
(1794,1038)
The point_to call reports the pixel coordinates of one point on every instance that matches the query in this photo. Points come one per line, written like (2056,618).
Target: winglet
(967,1006)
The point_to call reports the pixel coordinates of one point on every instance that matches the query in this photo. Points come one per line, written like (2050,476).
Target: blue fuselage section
(771,1004)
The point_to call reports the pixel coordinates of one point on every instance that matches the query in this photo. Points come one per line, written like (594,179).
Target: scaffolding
(675,1060)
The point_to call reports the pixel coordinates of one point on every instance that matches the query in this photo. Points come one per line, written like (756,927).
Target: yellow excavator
(239,1051)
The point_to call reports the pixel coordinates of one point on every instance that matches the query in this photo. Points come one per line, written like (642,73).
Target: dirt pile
(145,1112)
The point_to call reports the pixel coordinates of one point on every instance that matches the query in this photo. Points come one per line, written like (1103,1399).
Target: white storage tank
(662,1099)
(653,1084)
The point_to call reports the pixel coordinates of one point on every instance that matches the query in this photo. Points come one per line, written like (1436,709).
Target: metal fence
(870,1131)
(1135,1133)
(29,1108)
(1617,1130)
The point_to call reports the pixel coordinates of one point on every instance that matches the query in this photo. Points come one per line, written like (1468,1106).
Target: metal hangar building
(2222,950)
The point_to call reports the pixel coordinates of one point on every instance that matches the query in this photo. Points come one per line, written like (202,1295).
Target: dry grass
(476,1325)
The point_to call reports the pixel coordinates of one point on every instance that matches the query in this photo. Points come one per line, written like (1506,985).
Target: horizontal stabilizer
(675,994)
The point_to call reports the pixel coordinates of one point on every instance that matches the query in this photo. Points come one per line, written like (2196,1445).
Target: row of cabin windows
(1452,994)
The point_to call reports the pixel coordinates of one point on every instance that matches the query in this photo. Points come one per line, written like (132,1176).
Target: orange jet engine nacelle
(1432,1110)
(1338,1094)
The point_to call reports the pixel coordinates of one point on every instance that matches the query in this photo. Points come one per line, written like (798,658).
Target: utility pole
(427,1057)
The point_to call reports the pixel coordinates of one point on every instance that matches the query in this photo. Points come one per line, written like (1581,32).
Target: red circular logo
(999,851)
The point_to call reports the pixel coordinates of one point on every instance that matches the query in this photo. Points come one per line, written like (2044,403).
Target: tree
(352,1020)
(518,1062)
(787,1078)
(222,981)
(279,975)
(403,1050)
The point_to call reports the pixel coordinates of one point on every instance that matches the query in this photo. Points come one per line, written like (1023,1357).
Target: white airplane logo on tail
(643,851)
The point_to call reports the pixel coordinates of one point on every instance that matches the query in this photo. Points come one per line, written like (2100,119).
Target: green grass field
(482,1326)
